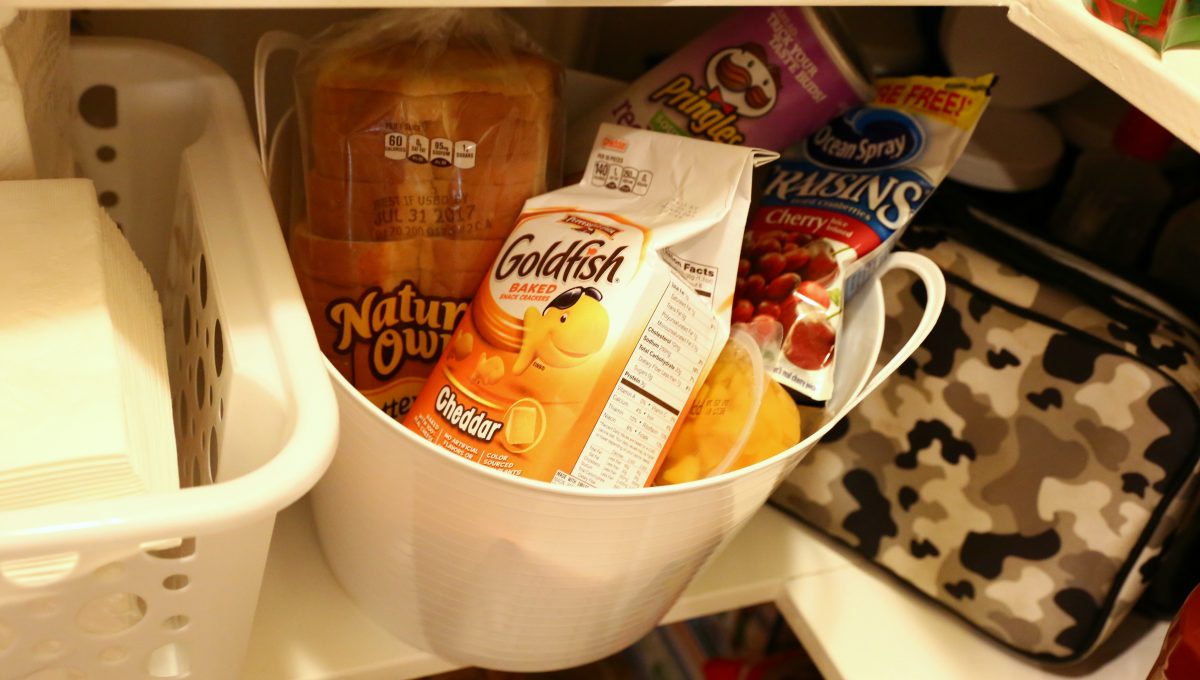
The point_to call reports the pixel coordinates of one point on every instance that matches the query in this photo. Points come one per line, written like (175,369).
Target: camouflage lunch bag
(1029,462)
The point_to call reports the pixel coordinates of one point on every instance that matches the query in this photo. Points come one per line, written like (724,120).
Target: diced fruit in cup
(809,342)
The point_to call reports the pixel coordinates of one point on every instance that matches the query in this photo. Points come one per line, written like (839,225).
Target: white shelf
(857,623)
(1167,88)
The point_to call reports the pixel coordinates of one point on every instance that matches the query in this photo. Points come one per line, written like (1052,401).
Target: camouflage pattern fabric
(1025,466)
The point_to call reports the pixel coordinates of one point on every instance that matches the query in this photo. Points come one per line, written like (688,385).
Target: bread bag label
(600,318)
(424,132)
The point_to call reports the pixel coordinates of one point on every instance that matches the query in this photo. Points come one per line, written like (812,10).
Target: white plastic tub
(86,591)
(488,569)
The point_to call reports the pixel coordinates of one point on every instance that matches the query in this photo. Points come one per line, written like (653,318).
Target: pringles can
(765,77)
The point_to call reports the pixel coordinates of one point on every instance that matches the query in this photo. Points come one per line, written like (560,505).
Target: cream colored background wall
(618,42)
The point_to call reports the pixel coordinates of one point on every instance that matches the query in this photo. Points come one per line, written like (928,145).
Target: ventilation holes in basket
(186,548)
(111,614)
(203,282)
(213,459)
(187,319)
(200,380)
(176,582)
(98,106)
(219,355)
(198,346)
(177,622)
(109,199)
(110,573)
(168,661)
(106,154)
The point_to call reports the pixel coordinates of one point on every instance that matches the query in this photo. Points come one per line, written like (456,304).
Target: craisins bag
(827,219)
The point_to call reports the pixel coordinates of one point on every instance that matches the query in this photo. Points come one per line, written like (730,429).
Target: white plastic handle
(277,139)
(935,297)
(270,43)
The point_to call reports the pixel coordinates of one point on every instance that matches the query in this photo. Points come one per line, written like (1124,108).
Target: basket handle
(935,291)
(268,44)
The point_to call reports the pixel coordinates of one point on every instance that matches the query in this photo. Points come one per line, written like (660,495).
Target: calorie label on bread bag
(827,220)
(600,317)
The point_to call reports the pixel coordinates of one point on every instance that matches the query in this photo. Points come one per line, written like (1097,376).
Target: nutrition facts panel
(701,277)
(652,391)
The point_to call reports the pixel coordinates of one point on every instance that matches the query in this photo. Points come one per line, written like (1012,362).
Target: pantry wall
(307,628)
(572,35)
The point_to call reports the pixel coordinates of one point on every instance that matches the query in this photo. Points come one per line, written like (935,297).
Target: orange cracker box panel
(424,132)
(600,318)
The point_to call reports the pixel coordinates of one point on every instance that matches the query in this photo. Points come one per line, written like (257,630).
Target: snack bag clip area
(601,317)
(828,219)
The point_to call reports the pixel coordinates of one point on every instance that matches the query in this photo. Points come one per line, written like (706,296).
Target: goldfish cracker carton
(601,317)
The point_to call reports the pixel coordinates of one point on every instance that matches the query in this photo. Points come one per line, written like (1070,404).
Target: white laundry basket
(165,586)
(492,570)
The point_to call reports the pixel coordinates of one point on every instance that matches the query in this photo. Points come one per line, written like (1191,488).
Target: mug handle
(935,290)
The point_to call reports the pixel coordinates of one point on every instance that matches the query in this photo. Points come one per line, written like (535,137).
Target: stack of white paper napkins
(85,404)
(35,94)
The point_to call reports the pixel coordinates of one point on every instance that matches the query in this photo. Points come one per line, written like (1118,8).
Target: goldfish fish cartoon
(564,334)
